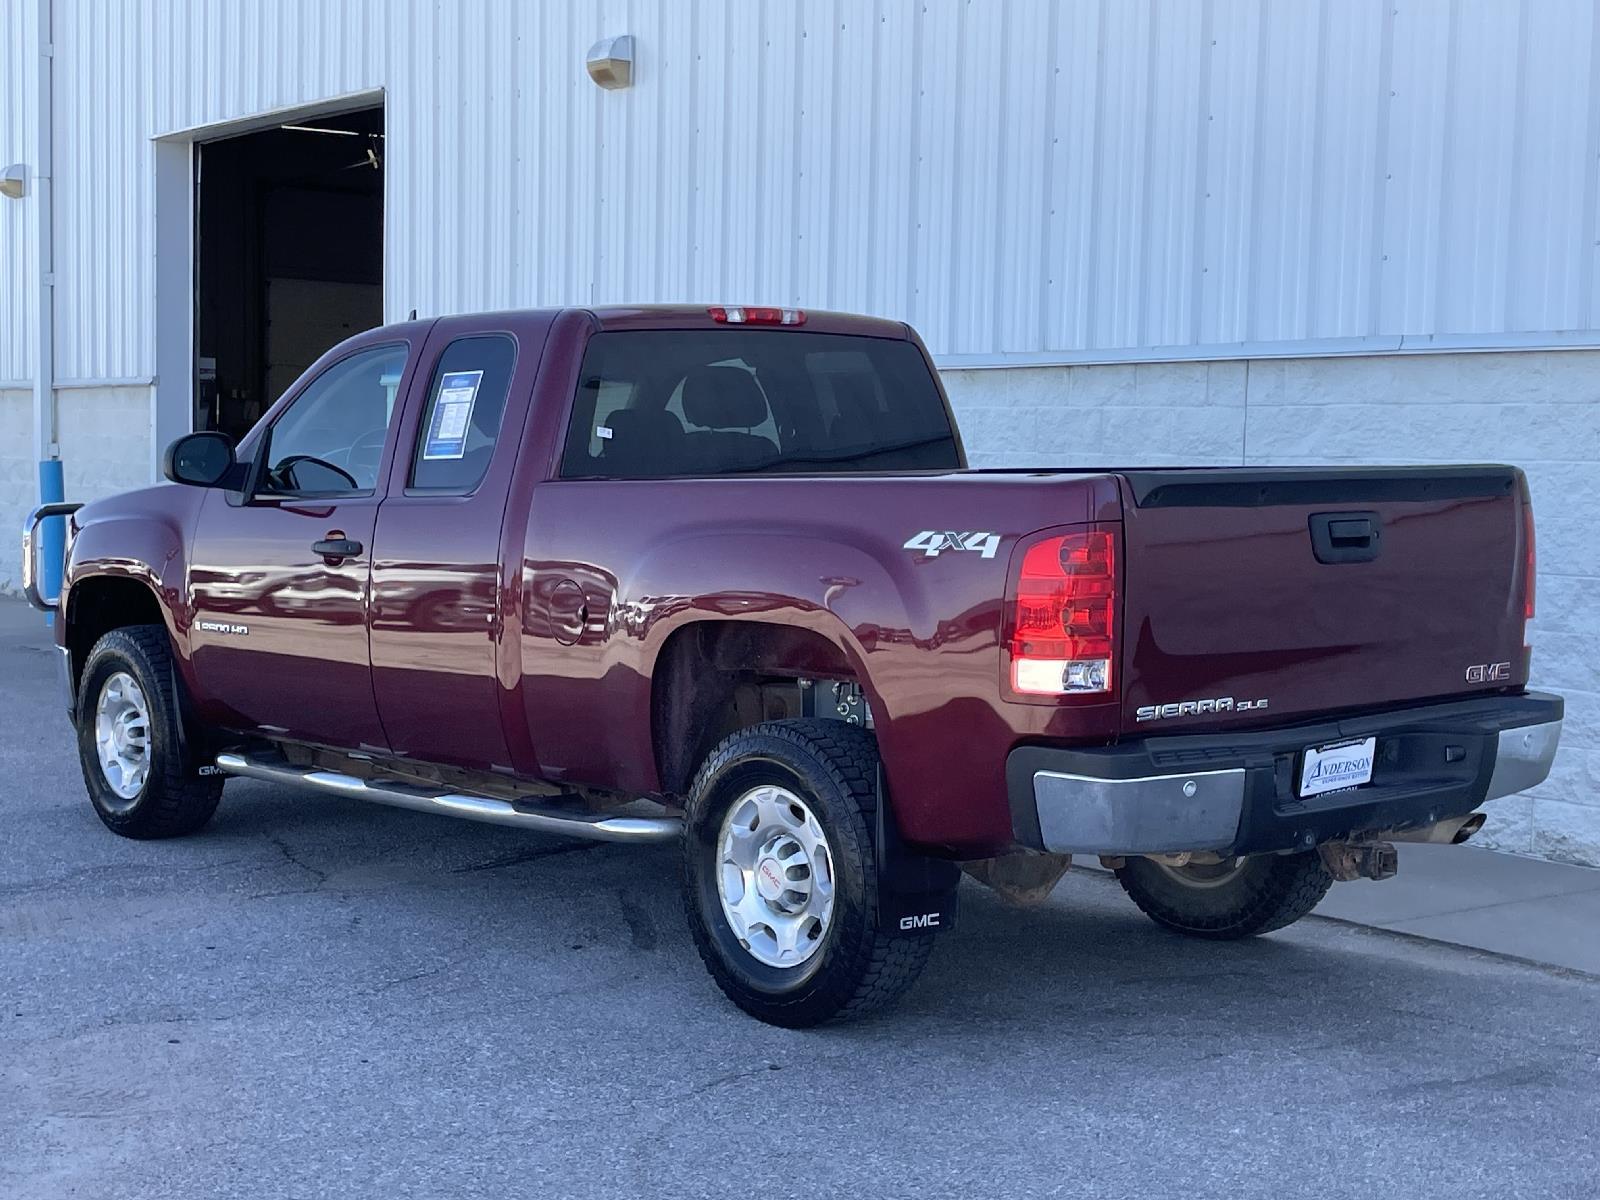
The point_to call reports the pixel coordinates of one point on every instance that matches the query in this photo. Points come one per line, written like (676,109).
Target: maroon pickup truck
(723,576)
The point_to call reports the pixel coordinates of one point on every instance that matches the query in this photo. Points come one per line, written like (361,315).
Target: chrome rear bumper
(1150,814)
(1433,762)
(1523,758)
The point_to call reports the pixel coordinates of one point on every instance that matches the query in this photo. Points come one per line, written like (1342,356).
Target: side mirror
(200,459)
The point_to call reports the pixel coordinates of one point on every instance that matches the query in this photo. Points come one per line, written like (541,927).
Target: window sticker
(452,415)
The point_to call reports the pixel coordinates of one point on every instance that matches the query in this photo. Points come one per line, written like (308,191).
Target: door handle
(336,548)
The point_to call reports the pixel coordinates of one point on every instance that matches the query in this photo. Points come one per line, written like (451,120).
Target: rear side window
(653,404)
(461,423)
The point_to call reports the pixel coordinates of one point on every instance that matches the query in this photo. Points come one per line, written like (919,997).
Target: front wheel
(780,875)
(142,779)
(1236,898)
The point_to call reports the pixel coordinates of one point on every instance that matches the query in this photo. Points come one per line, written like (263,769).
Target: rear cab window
(461,421)
(655,404)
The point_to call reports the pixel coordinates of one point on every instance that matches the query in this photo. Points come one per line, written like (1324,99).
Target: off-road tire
(1268,892)
(175,799)
(861,967)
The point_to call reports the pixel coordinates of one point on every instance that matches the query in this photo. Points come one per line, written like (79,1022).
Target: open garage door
(289,247)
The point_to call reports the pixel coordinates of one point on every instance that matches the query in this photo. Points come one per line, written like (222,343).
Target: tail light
(1064,624)
(730,315)
(1530,561)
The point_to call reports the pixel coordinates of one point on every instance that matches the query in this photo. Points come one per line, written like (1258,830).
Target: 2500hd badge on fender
(722,575)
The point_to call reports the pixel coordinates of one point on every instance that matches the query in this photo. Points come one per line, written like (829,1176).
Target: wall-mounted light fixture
(14,182)
(610,62)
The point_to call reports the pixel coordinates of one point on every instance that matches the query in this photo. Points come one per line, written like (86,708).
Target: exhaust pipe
(1450,832)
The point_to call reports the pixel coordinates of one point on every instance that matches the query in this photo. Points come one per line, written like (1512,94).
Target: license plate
(1343,765)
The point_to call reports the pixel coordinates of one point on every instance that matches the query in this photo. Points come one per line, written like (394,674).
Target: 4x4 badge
(932,541)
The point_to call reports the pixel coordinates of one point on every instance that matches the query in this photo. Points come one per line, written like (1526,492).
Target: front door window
(329,441)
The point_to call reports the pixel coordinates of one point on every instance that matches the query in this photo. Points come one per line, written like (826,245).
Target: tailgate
(1287,593)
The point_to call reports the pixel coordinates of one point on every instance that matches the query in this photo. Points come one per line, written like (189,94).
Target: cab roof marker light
(744,315)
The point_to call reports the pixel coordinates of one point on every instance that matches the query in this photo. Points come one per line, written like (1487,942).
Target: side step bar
(451,804)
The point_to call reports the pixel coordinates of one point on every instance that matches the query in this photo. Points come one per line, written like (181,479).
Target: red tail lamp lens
(1064,624)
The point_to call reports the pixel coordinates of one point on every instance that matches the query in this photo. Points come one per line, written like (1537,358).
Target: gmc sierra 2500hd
(723,575)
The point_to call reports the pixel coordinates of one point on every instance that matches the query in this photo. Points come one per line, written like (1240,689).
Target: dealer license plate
(1343,765)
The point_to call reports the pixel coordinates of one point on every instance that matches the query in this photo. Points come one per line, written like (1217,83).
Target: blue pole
(52,533)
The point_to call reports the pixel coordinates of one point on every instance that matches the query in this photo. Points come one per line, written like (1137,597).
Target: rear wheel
(1236,898)
(780,875)
(142,778)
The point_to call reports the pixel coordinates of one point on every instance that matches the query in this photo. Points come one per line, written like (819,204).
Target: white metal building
(1132,231)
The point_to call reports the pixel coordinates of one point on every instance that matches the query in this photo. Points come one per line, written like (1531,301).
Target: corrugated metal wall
(1059,181)
(19,268)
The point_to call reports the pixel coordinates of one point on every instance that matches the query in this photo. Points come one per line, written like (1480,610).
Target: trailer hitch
(1359,860)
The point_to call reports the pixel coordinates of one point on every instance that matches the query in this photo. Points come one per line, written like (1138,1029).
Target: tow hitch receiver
(1360,860)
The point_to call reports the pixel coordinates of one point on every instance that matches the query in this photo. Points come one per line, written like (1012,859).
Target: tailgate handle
(1345,537)
(1350,530)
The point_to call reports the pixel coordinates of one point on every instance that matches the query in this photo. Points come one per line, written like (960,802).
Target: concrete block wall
(105,449)
(19,480)
(105,440)
(1539,410)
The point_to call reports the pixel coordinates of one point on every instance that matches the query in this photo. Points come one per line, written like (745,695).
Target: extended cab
(723,575)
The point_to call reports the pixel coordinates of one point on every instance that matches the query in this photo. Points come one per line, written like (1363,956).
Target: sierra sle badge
(1195,708)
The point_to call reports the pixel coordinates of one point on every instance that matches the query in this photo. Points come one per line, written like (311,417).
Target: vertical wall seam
(1519,114)
(913,156)
(830,262)
(1440,193)
(1246,320)
(1202,202)
(758,166)
(1380,183)
(1591,180)
(952,262)
(1091,266)
(1142,259)
(793,290)
(873,292)
(692,266)
(998,264)
(1319,90)
(1050,225)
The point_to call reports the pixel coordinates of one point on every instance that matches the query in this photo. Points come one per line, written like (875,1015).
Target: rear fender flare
(832,590)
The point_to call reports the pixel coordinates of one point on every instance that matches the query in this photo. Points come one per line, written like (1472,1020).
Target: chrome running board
(519,815)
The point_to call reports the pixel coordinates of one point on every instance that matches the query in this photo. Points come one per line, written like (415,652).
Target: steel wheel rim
(775,877)
(1206,875)
(122,737)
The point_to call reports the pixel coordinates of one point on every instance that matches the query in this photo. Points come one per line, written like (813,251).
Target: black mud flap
(916,894)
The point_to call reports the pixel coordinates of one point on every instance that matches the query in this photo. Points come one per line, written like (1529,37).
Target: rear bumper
(1235,793)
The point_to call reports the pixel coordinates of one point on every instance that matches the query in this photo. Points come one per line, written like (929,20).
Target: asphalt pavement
(317,998)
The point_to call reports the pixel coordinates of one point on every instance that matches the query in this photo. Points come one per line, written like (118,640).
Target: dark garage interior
(289,249)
